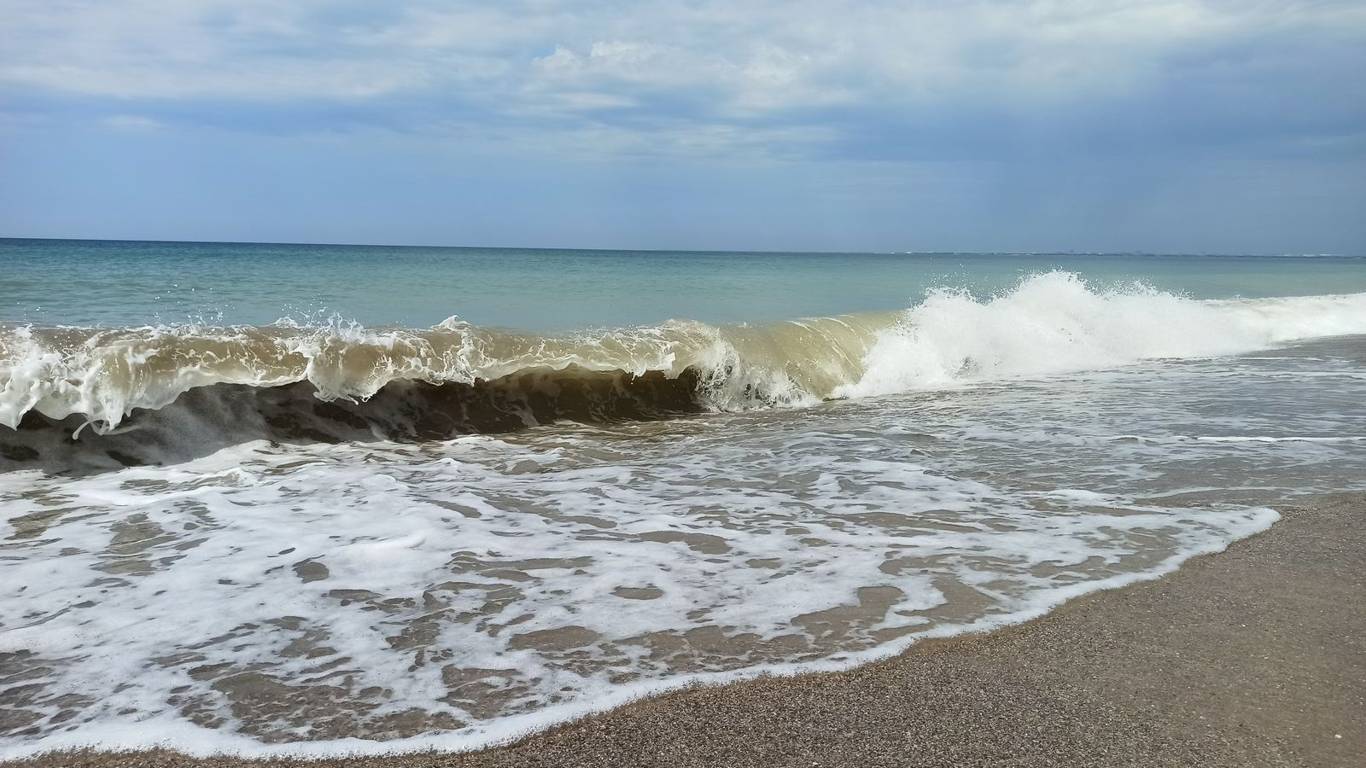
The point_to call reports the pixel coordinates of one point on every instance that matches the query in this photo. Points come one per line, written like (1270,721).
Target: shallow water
(227,560)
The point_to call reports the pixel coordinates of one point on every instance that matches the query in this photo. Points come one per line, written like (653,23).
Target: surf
(136,391)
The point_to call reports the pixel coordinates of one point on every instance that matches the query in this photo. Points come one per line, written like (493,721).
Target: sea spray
(1048,323)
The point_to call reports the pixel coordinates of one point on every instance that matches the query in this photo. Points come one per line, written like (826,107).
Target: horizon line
(1067,252)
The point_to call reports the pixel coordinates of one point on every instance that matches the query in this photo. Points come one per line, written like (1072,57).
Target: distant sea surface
(333,499)
(112,283)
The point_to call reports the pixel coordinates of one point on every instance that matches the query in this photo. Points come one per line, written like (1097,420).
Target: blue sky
(1036,125)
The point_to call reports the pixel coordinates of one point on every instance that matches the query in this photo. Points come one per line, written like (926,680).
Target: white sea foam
(1055,322)
(1048,323)
(453,581)
(167,730)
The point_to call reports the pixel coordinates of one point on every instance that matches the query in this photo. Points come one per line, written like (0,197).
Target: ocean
(311,499)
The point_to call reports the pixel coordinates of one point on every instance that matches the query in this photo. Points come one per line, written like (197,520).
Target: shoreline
(1252,657)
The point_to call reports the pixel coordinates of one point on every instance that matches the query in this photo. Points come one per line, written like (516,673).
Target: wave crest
(1048,323)
(1055,322)
(106,375)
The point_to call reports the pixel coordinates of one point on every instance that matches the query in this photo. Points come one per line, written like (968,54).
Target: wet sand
(1254,657)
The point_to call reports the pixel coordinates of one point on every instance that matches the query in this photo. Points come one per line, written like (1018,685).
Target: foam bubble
(1055,322)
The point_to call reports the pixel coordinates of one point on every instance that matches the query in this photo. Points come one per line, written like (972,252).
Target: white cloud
(135,123)
(304,48)
(716,63)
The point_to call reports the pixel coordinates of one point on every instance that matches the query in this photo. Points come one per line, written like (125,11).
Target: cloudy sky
(1176,125)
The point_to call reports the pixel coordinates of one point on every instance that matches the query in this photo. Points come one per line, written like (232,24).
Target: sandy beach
(1253,657)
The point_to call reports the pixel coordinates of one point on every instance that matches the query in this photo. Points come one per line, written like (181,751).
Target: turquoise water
(114,283)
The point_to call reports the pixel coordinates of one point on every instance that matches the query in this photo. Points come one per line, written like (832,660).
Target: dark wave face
(204,419)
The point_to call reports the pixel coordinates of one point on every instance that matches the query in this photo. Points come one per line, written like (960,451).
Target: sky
(1032,125)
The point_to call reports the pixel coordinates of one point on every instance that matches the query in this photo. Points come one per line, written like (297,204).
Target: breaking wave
(341,381)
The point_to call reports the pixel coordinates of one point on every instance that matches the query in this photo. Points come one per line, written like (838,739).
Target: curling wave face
(343,381)
(106,375)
